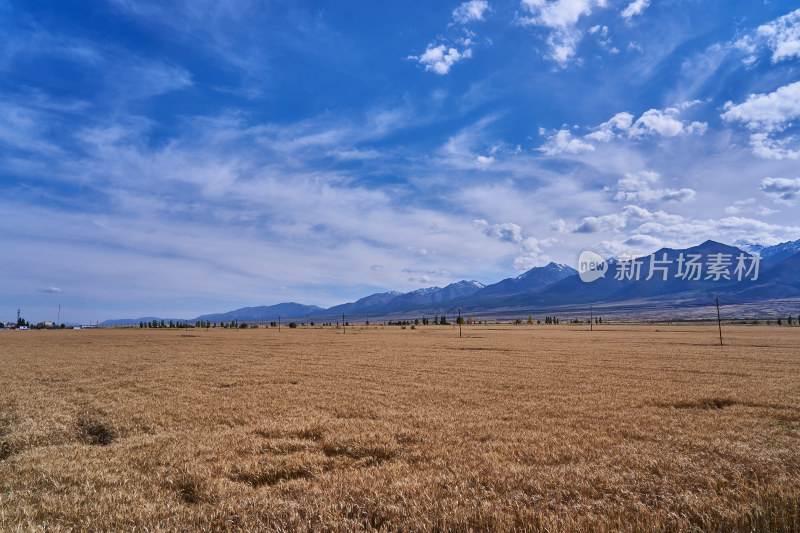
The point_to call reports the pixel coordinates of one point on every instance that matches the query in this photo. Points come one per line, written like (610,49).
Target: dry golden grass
(527,428)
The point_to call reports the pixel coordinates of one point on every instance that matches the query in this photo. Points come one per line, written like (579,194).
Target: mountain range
(664,276)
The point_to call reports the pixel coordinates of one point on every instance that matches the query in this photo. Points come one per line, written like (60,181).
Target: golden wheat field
(527,428)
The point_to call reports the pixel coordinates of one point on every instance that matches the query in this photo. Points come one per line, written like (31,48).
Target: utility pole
(279,323)
(58,321)
(459,322)
(719,322)
(343,325)
(591,319)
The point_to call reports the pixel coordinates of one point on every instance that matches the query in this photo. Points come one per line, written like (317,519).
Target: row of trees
(199,324)
(156,324)
(437,320)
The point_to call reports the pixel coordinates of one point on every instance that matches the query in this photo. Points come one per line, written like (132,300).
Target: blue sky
(179,158)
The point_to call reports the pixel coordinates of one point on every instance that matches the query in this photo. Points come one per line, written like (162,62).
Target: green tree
(443,321)
(171,324)
(141,324)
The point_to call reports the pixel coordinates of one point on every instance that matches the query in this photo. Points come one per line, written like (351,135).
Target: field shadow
(715,402)
(271,475)
(95,432)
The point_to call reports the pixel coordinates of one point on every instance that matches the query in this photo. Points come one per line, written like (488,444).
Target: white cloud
(664,229)
(559,13)
(641,241)
(656,121)
(563,142)
(697,128)
(602,31)
(559,225)
(767,148)
(642,187)
(767,112)
(440,59)
(508,231)
(533,255)
(530,260)
(770,114)
(750,205)
(51,290)
(782,36)
(561,17)
(782,190)
(426,276)
(666,123)
(469,11)
(635,8)
(601,34)
(613,222)
(607,131)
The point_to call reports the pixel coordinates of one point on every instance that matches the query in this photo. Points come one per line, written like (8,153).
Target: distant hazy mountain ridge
(776,276)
